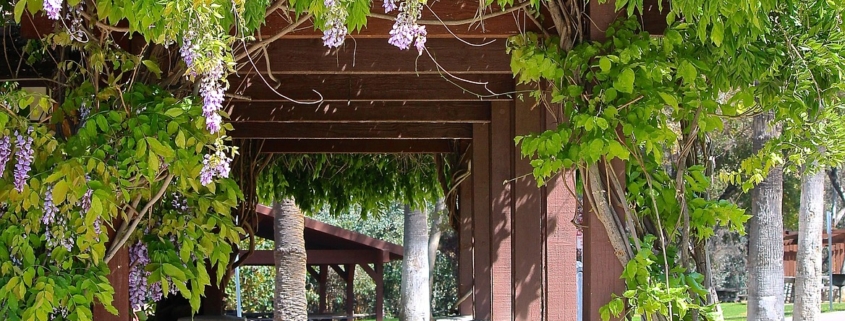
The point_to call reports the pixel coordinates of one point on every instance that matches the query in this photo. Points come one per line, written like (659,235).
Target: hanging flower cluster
(335,31)
(406,30)
(53,8)
(389,5)
(138,259)
(212,84)
(23,154)
(215,165)
(5,153)
(52,218)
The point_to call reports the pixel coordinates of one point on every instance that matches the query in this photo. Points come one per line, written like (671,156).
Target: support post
(483,279)
(379,280)
(119,279)
(350,291)
(323,277)
(501,212)
(465,250)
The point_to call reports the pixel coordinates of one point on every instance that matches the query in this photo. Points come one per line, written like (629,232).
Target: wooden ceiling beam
(462,17)
(373,88)
(362,112)
(357,146)
(351,131)
(367,56)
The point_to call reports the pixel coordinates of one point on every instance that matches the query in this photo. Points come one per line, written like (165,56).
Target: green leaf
(625,81)
(60,192)
(669,99)
(152,66)
(19,8)
(604,64)
(174,272)
(158,148)
(718,33)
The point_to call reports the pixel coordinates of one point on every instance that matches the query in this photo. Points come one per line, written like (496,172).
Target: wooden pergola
(517,243)
(328,246)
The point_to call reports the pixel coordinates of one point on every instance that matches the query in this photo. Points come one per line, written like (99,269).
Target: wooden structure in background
(517,243)
(329,246)
(790,251)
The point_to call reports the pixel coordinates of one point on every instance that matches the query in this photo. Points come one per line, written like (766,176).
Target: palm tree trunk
(434,243)
(415,298)
(765,234)
(290,303)
(808,273)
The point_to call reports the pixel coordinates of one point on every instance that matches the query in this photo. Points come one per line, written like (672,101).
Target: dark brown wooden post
(119,280)
(465,251)
(601,267)
(527,228)
(323,277)
(379,291)
(482,295)
(501,218)
(350,291)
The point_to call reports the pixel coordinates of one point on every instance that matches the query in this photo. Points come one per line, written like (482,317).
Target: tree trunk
(434,244)
(808,272)
(415,298)
(290,303)
(765,234)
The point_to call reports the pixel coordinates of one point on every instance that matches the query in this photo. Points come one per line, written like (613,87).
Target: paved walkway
(832,316)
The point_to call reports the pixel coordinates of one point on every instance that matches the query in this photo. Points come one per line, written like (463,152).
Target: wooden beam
(350,291)
(500,26)
(465,268)
(119,279)
(334,88)
(362,112)
(352,131)
(367,56)
(319,257)
(322,279)
(361,146)
(340,271)
(314,273)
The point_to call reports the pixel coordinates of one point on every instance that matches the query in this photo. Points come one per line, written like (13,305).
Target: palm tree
(290,303)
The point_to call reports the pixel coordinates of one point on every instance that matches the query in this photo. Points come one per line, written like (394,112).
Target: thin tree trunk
(415,298)
(808,273)
(290,303)
(765,234)
(434,244)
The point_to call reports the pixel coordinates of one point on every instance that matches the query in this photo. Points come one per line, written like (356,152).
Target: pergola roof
(327,244)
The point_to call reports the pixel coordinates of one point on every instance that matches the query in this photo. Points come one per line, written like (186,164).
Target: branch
(101,25)
(122,241)
(596,195)
(275,37)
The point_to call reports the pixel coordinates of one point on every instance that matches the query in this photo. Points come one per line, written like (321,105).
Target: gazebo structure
(517,243)
(328,246)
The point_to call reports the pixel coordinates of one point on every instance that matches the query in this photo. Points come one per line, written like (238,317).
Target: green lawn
(737,311)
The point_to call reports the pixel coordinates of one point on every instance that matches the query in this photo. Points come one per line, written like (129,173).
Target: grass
(738,311)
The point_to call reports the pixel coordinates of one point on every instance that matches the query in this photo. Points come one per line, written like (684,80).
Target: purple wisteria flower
(50,209)
(138,259)
(188,51)
(5,153)
(335,30)
(212,97)
(214,165)
(53,9)
(24,156)
(389,5)
(406,30)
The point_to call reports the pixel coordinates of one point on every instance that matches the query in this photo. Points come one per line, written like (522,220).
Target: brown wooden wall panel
(362,112)
(119,279)
(334,88)
(560,253)
(501,214)
(367,56)
(481,221)
(527,229)
(465,250)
